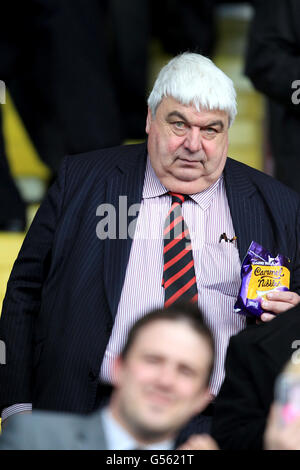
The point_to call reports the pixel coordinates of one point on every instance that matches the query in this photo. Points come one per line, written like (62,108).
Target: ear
(203,401)
(148,121)
(117,371)
(226,146)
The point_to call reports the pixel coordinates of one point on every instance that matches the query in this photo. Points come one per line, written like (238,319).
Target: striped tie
(179,278)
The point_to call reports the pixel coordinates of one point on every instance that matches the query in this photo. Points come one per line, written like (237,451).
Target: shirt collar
(119,439)
(153,188)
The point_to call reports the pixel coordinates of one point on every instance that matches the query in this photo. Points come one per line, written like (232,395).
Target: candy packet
(261,274)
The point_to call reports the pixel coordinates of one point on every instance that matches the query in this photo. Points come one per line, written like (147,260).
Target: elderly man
(161,380)
(127,229)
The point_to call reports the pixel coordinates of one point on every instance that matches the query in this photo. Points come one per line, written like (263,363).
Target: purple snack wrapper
(260,274)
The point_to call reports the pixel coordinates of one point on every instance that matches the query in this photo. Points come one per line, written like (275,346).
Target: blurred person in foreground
(128,229)
(161,380)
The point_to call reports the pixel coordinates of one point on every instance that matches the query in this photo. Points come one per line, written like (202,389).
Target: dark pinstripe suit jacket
(64,289)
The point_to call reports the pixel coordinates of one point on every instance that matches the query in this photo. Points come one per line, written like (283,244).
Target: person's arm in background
(21,306)
(273,50)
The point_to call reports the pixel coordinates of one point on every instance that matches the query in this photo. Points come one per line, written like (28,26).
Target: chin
(194,170)
(155,429)
(184,186)
(185,174)
(188,176)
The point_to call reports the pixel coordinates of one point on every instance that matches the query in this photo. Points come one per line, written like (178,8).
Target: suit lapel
(247,212)
(124,189)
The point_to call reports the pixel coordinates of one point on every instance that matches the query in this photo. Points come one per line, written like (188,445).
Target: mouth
(191,163)
(192,158)
(159,399)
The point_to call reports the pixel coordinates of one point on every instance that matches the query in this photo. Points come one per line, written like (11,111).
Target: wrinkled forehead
(169,106)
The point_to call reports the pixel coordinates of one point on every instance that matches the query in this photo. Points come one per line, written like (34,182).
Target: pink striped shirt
(217,268)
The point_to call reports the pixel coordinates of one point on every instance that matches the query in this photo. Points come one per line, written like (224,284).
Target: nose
(193,141)
(167,377)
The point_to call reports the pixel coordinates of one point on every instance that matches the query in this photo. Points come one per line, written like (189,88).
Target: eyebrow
(183,118)
(216,123)
(177,114)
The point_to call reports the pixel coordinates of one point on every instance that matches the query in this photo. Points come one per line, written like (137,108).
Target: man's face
(162,381)
(187,148)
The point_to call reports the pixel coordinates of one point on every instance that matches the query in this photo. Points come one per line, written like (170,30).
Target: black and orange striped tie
(179,278)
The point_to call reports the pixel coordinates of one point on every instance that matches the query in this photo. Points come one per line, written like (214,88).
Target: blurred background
(77,74)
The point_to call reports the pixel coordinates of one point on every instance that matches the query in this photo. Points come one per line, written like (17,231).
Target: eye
(209,132)
(179,125)
(187,371)
(151,359)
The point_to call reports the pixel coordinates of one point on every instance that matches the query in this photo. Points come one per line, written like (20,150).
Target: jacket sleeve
(22,301)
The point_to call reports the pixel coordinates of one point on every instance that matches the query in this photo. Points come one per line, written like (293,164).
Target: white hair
(191,78)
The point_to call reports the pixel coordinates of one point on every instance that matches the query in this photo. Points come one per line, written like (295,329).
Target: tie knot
(180,198)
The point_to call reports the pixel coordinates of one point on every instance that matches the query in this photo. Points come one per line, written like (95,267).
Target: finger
(187,445)
(210,443)
(265,317)
(284,296)
(183,447)
(199,442)
(276,306)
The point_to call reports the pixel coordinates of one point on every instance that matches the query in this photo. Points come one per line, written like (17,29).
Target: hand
(281,436)
(199,442)
(278,302)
